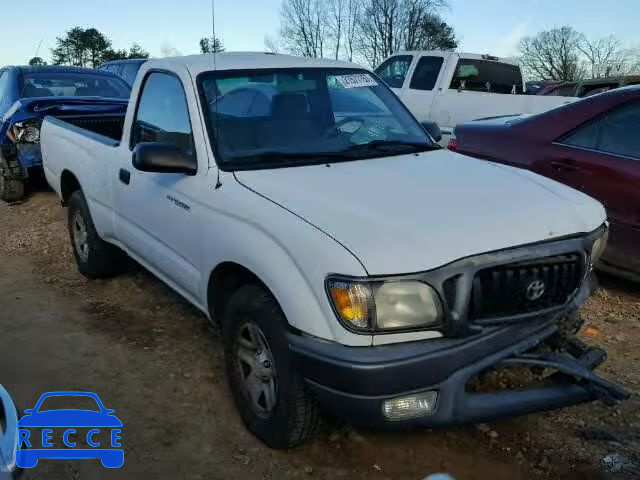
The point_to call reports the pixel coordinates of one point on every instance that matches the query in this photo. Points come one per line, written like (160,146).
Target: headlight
(20,132)
(385,306)
(599,246)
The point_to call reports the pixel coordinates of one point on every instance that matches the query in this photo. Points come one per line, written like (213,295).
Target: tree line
(567,55)
(87,47)
(361,30)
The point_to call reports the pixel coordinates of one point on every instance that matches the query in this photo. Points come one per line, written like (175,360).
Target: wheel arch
(224,280)
(69,183)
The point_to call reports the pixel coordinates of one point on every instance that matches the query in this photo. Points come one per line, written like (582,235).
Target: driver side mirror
(163,158)
(432,129)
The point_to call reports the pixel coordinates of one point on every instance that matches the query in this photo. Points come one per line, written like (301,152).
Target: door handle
(564,166)
(124,176)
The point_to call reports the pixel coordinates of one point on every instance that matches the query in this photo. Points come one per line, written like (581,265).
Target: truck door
(602,159)
(421,90)
(156,213)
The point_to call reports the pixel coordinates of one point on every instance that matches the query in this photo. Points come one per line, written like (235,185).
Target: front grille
(525,287)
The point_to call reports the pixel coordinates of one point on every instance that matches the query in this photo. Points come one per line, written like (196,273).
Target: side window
(620,132)
(394,70)
(585,136)
(487,76)
(163,114)
(426,73)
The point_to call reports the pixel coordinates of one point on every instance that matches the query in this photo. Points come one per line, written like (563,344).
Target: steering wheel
(335,129)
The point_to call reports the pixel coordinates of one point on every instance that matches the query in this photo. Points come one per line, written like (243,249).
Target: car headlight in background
(385,306)
(599,246)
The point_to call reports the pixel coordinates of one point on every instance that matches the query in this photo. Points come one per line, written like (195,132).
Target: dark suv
(125,69)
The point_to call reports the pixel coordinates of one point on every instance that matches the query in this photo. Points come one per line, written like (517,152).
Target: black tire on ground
(95,257)
(11,189)
(295,416)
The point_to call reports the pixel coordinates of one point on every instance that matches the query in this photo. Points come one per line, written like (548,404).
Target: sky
(483,26)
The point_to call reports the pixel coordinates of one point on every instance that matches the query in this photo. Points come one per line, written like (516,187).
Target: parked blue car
(28,94)
(8,436)
(33,447)
(125,69)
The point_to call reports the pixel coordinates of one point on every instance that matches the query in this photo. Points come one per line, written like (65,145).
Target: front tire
(272,398)
(95,257)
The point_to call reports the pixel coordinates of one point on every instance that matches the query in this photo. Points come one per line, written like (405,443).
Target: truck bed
(109,125)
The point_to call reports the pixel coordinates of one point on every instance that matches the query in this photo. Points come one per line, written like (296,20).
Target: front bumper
(354,382)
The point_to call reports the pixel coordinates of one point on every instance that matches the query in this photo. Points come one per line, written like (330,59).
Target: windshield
(275,118)
(72,85)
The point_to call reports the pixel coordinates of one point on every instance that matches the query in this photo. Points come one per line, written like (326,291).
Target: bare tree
(336,20)
(304,27)
(634,61)
(552,54)
(352,23)
(271,44)
(378,36)
(387,26)
(604,56)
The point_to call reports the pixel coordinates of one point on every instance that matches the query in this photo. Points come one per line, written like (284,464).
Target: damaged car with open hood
(28,94)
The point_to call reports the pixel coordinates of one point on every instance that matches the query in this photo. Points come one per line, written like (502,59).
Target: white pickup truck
(450,88)
(350,261)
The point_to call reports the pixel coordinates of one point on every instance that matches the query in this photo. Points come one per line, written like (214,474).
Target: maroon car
(592,145)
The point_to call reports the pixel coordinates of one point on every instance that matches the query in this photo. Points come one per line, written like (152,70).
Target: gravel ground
(137,320)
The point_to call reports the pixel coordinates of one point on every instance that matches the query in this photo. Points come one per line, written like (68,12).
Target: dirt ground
(157,362)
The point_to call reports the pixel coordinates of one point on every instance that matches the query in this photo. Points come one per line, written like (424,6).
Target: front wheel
(272,398)
(95,257)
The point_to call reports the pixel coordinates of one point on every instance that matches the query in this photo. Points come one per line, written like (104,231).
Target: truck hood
(418,212)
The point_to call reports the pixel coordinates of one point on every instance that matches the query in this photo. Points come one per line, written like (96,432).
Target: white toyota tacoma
(351,262)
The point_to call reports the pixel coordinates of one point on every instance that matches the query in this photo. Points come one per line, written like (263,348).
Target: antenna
(215,86)
(38,49)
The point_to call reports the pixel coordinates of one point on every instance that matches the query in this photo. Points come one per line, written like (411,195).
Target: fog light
(411,406)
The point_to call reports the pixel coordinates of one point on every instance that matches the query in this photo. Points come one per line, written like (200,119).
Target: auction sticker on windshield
(356,80)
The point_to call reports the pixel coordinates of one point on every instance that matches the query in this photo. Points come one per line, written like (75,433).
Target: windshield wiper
(290,157)
(354,152)
(393,146)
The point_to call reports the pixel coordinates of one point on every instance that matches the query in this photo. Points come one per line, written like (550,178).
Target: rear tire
(11,189)
(95,257)
(291,415)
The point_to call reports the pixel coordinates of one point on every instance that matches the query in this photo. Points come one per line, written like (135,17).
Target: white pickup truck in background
(450,88)
(351,262)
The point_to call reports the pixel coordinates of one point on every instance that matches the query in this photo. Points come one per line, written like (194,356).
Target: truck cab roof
(244,61)
(446,53)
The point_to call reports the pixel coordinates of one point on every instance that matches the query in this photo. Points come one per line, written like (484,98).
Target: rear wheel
(275,403)
(95,257)
(11,189)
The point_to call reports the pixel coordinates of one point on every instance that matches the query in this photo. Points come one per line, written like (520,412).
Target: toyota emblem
(535,290)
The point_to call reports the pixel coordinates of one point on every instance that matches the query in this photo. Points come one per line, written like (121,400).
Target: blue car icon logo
(83,434)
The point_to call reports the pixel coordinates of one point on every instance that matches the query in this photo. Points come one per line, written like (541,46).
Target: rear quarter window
(487,76)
